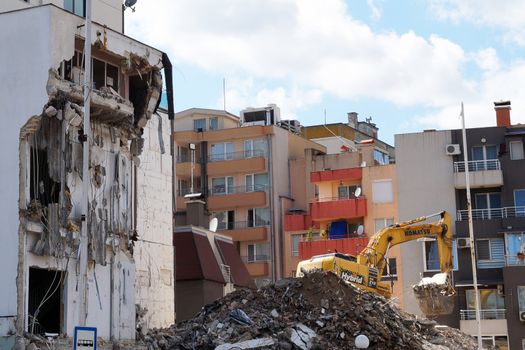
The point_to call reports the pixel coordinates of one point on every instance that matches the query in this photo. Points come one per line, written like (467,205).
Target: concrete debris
(435,295)
(348,312)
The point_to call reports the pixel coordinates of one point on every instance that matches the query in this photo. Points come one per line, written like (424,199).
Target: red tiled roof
(231,257)
(195,259)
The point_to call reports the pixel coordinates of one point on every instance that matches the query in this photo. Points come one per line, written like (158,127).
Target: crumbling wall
(154,252)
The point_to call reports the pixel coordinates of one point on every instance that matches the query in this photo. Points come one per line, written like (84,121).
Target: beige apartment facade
(242,172)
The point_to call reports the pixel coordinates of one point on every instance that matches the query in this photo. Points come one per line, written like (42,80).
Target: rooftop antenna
(130,4)
(325,116)
(224,93)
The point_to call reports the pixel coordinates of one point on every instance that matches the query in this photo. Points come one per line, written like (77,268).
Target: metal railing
(184,191)
(477,165)
(186,158)
(487,314)
(224,226)
(494,213)
(514,260)
(337,198)
(224,190)
(255,258)
(226,273)
(218,157)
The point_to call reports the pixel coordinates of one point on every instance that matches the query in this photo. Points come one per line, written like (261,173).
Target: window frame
(520,142)
(298,236)
(224,155)
(521,303)
(491,260)
(210,123)
(484,149)
(199,120)
(387,276)
(255,255)
(73,3)
(455,261)
(388,199)
(385,223)
(227,188)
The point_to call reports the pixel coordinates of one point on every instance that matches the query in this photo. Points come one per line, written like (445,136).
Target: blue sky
(407,64)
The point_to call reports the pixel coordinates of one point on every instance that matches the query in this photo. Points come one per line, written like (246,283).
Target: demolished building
(41,193)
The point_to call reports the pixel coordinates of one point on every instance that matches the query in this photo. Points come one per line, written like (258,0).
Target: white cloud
(317,48)
(508,15)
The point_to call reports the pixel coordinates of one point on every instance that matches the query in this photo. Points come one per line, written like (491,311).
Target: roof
(230,256)
(190,111)
(195,259)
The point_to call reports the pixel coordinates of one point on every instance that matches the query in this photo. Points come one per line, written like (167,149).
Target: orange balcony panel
(352,246)
(338,209)
(248,234)
(336,175)
(184,170)
(228,167)
(298,222)
(257,269)
(237,200)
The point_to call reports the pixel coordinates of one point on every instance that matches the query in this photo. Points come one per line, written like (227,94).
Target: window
(256,182)
(380,224)
(490,299)
(490,253)
(514,245)
(258,252)
(516,150)
(75,6)
(381,157)
(521,298)
(519,202)
(254,148)
(214,123)
(226,220)
(431,255)
(222,185)
(499,342)
(346,192)
(199,124)
(258,217)
(390,270)
(488,205)
(105,75)
(484,152)
(382,191)
(221,151)
(295,244)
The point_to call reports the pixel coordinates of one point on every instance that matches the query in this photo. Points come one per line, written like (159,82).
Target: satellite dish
(363,164)
(360,230)
(129,3)
(357,192)
(213,224)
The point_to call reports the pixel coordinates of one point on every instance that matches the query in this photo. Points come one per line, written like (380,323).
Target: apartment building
(240,167)
(341,199)
(431,177)
(42,156)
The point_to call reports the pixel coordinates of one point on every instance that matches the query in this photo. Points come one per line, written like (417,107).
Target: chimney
(502,113)
(352,119)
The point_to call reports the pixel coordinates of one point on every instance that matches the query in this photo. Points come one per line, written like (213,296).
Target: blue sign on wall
(85,338)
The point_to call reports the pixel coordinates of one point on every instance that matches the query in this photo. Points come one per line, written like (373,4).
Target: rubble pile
(319,311)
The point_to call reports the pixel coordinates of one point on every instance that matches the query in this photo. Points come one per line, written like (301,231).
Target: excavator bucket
(435,294)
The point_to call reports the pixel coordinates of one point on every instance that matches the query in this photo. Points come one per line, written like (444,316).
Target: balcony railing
(514,260)
(184,191)
(237,225)
(218,157)
(223,190)
(255,258)
(487,314)
(477,165)
(226,273)
(336,198)
(495,213)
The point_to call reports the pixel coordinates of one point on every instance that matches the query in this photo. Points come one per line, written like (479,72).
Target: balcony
(183,169)
(351,245)
(327,209)
(294,222)
(495,213)
(482,173)
(236,162)
(245,231)
(257,265)
(492,321)
(222,198)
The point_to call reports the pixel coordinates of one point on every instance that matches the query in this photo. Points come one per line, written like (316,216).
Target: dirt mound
(319,311)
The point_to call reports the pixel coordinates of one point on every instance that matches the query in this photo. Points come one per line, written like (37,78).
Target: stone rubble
(319,311)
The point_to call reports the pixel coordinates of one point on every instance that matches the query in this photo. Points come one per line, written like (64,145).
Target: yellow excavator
(435,294)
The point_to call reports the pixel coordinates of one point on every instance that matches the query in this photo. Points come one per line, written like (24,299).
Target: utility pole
(86,179)
(471,229)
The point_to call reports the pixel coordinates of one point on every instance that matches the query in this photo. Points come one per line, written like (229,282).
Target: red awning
(230,256)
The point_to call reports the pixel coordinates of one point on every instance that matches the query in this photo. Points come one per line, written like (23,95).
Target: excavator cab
(436,295)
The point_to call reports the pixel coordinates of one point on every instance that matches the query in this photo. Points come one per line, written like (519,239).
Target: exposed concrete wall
(22,95)
(154,251)
(425,183)
(333,144)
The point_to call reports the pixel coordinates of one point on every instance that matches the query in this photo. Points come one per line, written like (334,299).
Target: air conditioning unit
(522,316)
(453,149)
(463,243)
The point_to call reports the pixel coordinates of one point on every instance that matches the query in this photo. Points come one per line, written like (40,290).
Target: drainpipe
(168,74)
(272,216)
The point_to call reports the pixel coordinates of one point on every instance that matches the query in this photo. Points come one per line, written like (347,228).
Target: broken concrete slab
(248,344)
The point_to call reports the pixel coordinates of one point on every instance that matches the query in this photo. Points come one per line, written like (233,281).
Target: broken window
(99,74)
(44,301)
(138,90)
